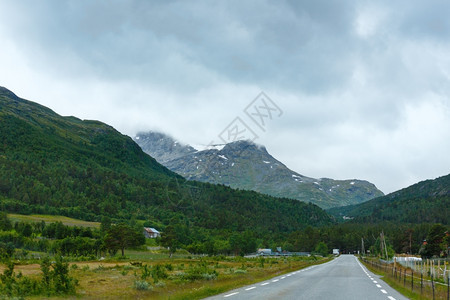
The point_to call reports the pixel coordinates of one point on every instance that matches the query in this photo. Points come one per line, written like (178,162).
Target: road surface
(342,278)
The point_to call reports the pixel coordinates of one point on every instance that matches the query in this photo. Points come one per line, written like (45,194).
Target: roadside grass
(154,255)
(52,219)
(230,282)
(116,278)
(405,287)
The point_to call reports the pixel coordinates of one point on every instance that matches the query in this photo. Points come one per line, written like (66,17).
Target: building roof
(151,230)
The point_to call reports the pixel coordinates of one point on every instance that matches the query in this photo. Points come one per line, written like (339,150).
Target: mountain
(424,202)
(248,166)
(51,164)
(162,147)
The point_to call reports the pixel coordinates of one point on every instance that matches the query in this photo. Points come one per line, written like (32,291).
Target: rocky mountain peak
(162,146)
(249,166)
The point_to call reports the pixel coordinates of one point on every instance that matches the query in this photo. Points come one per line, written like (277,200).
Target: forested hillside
(425,202)
(86,169)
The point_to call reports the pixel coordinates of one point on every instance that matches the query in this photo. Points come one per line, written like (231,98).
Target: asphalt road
(341,278)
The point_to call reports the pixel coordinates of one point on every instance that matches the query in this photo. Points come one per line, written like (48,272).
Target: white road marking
(275,280)
(266,283)
(283,277)
(251,288)
(379,286)
(232,294)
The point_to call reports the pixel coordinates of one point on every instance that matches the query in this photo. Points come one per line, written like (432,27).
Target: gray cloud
(364,85)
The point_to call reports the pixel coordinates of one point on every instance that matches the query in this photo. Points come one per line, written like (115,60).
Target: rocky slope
(245,165)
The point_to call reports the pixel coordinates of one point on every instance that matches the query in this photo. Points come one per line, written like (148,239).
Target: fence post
(448,287)
(432,284)
(404,279)
(412,280)
(421,282)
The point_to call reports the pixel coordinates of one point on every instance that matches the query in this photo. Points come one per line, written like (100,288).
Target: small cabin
(151,233)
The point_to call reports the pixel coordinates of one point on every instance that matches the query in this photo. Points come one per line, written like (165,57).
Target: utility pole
(410,243)
(383,245)
(363,251)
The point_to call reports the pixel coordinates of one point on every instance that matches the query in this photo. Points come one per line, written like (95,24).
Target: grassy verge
(404,287)
(227,283)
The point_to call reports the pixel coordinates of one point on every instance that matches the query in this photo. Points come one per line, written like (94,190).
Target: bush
(146,272)
(56,281)
(210,276)
(62,282)
(158,273)
(200,271)
(160,284)
(168,267)
(142,285)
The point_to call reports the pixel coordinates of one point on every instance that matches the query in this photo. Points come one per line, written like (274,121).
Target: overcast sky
(362,87)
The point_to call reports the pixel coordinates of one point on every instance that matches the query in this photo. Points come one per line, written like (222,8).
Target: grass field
(184,277)
(52,219)
(148,272)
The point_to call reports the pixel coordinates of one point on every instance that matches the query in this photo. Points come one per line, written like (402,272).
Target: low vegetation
(414,285)
(155,277)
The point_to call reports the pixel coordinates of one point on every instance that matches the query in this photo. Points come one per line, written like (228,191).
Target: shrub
(62,282)
(158,273)
(142,285)
(168,267)
(210,276)
(160,284)
(200,271)
(146,272)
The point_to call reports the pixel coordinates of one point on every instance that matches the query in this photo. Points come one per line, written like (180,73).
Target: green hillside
(86,169)
(425,202)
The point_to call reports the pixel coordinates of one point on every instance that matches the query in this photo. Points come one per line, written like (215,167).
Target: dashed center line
(266,283)
(275,280)
(378,286)
(251,288)
(383,291)
(391,298)
(232,294)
